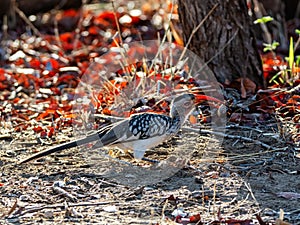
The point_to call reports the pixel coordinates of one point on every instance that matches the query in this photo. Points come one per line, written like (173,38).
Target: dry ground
(237,180)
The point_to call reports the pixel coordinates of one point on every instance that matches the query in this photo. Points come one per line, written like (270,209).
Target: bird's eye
(187,104)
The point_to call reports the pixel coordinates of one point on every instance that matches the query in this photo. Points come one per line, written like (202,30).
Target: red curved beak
(202,98)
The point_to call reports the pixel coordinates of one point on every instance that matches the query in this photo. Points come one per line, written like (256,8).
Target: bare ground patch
(236,181)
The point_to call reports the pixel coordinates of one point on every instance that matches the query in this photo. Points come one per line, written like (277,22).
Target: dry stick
(297,42)
(14,206)
(196,29)
(117,22)
(251,129)
(56,33)
(121,40)
(243,127)
(220,134)
(297,13)
(159,49)
(250,190)
(77,30)
(61,191)
(297,88)
(35,30)
(262,25)
(228,42)
(5,27)
(23,16)
(38,208)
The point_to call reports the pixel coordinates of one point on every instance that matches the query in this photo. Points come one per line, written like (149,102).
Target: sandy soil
(237,180)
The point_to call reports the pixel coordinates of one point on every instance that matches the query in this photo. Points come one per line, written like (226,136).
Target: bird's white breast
(139,146)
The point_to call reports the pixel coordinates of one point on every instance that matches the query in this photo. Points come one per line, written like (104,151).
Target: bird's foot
(154,161)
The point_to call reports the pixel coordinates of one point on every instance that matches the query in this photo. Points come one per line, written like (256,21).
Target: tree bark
(225,40)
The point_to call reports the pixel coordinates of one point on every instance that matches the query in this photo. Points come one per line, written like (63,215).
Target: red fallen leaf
(2,75)
(135,19)
(48,112)
(51,132)
(106,111)
(69,79)
(102,22)
(22,79)
(16,100)
(93,30)
(55,90)
(108,15)
(23,116)
(37,129)
(70,13)
(178,219)
(1,184)
(43,134)
(66,108)
(21,127)
(54,64)
(19,62)
(35,63)
(260,220)
(53,106)
(195,218)
(66,37)
(3,86)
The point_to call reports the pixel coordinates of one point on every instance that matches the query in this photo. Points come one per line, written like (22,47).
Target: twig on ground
(63,192)
(62,205)
(230,136)
(14,206)
(294,89)
(232,126)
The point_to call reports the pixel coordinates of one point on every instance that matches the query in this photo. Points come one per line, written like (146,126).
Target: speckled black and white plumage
(137,133)
(149,125)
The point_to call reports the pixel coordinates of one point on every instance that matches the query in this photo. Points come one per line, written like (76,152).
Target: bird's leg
(138,154)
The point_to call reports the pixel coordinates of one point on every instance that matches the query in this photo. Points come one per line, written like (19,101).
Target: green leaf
(270,47)
(275,76)
(264,19)
(297,31)
(298,60)
(291,53)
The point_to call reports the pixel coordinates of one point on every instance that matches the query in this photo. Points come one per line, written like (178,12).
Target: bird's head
(182,105)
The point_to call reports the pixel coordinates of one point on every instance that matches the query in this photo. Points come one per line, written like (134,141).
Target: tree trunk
(225,40)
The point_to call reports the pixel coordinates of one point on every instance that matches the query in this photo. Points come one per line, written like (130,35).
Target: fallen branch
(63,205)
(63,192)
(230,136)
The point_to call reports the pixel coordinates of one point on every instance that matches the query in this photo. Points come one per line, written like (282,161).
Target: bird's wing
(149,125)
(138,126)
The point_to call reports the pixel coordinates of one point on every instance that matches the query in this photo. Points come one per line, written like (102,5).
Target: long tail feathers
(85,140)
